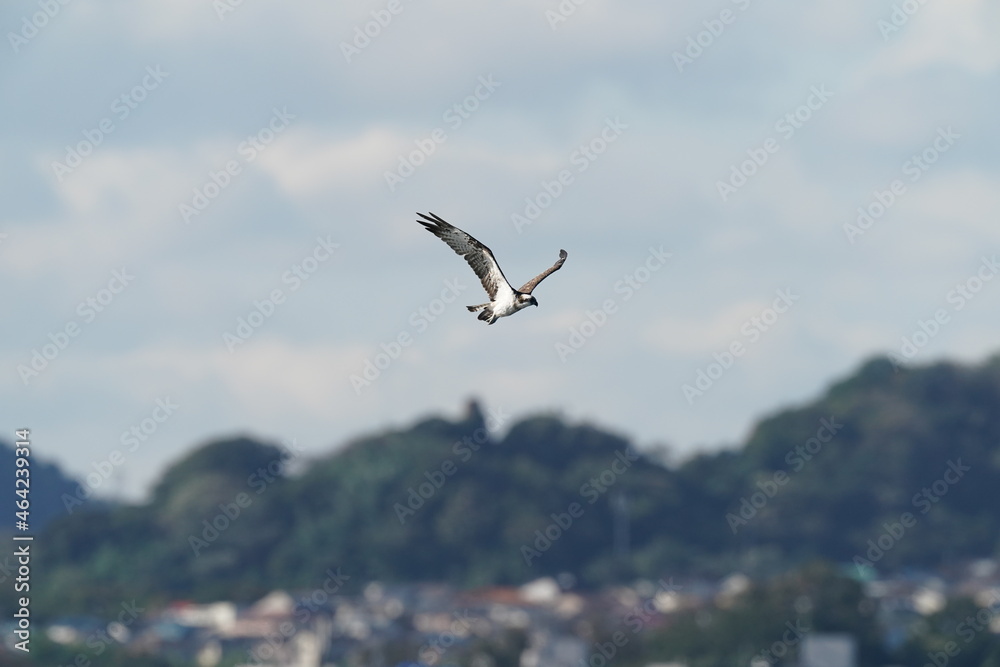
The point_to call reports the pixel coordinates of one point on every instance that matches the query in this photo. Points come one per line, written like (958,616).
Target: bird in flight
(504,299)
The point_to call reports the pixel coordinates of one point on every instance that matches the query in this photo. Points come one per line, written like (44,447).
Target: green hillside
(443,500)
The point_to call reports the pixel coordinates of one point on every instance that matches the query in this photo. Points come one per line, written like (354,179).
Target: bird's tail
(473,309)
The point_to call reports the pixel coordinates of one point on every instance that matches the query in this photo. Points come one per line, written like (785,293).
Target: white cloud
(306,162)
(114,208)
(959,33)
(265,377)
(704,334)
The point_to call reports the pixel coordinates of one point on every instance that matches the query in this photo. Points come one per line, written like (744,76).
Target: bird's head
(526,300)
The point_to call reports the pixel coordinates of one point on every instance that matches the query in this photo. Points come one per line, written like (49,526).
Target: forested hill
(913,454)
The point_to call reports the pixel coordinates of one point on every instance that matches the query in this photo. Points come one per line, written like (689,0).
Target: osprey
(504,299)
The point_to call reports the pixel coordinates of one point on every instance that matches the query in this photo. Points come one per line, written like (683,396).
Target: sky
(208,220)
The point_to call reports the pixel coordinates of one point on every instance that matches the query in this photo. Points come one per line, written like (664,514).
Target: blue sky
(208,221)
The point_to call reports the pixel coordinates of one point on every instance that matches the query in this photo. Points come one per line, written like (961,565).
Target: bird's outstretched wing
(479,257)
(533,283)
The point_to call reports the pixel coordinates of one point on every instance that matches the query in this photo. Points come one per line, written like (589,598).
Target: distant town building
(828,650)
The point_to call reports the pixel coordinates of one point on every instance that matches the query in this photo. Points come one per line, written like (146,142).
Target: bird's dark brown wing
(479,257)
(533,283)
